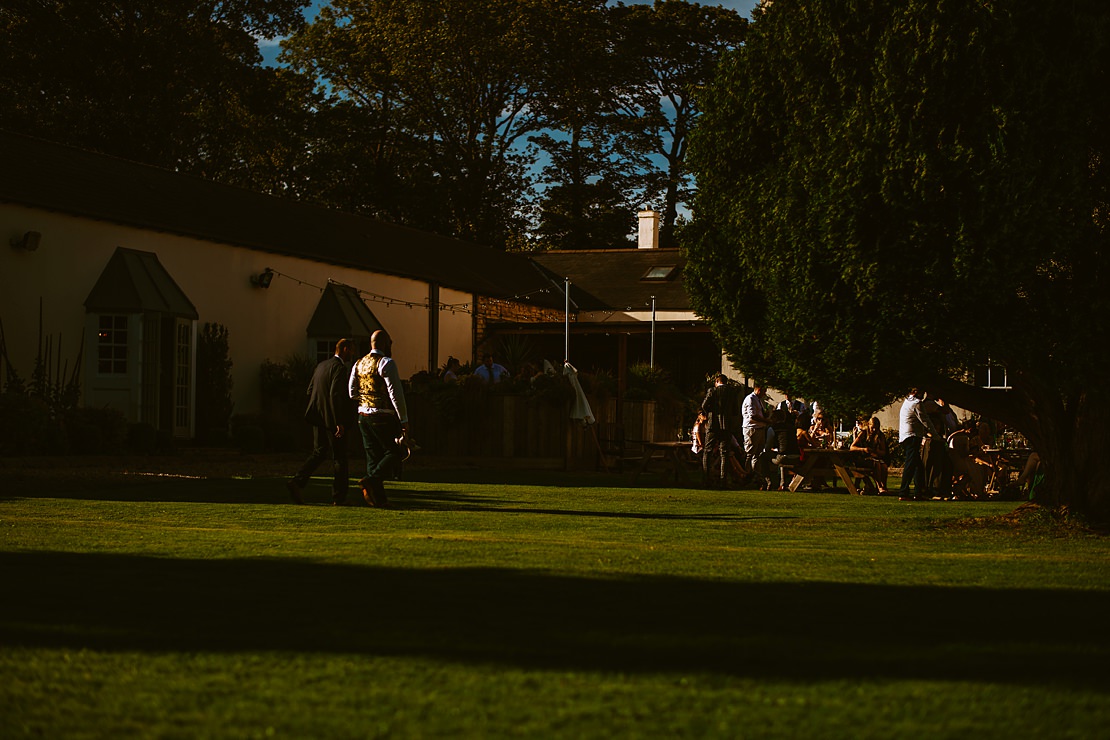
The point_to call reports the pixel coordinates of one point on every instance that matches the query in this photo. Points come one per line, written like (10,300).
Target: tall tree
(891,196)
(594,174)
(596,214)
(672,48)
(449,84)
(174,84)
(588,181)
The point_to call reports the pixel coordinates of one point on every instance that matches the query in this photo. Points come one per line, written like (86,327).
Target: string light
(296,280)
(465,308)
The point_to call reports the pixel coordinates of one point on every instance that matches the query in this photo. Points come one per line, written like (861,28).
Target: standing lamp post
(566,319)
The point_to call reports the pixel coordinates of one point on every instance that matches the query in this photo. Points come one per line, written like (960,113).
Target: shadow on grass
(793,631)
(426,500)
(555,478)
(272,491)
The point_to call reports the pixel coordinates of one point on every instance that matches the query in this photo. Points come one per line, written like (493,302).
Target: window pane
(111,341)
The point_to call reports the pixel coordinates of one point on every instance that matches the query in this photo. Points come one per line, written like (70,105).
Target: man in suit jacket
(716,407)
(331,412)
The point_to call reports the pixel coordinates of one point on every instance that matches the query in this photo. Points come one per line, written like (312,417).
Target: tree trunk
(1069,434)
(1073,443)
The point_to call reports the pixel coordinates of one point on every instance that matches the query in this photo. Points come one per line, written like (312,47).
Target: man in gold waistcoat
(383,416)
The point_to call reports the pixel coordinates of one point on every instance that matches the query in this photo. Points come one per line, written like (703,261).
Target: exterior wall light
(263,279)
(29,241)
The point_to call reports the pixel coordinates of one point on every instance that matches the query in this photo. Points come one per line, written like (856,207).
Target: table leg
(644,462)
(847,478)
(676,461)
(800,474)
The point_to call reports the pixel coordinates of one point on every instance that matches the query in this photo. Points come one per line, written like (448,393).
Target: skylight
(660,272)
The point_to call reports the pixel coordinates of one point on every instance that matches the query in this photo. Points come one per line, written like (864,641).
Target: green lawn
(541,605)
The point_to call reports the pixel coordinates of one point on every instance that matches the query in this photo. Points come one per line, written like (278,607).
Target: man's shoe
(294,491)
(373,492)
(367,487)
(380,499)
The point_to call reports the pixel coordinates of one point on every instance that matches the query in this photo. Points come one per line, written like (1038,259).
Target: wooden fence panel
(487,425)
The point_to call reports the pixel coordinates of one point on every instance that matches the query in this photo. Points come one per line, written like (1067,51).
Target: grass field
(539,605)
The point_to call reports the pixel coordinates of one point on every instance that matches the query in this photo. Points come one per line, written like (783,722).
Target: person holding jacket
(383,416)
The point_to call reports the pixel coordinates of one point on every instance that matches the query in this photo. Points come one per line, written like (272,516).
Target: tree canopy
(451,87)
(595,172)
(173,84)
(672,50)
(456,110)
(512,123)
(625,87)
(892,193)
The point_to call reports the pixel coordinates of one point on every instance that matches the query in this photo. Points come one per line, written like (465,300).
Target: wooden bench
(828,463)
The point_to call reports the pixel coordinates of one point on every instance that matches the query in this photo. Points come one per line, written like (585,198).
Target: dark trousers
(324,445)
(379,435)
(716,441)
(912,469)
(937,464)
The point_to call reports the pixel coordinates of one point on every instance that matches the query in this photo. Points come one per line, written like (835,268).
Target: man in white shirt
(912,426)
(755,433)
(383,416)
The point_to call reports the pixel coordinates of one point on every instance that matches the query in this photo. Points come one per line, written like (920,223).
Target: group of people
(946,458)
(943,457)
(367,393)
(771,436)
(489,372)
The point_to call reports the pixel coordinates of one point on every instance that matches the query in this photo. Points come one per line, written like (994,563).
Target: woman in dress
(697,434)
(871,441)
(820,433)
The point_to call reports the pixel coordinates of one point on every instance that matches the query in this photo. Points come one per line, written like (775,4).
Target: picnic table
(674,455)
(827,462)
(1006,463)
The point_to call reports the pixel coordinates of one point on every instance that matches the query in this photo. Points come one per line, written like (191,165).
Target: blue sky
(270,48)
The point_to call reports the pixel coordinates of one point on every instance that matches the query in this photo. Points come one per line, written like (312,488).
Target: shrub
(554,389)
(281,436)
(96,431)
(214,382)
(26,426)
(284,386)
(144,439)
(250,440)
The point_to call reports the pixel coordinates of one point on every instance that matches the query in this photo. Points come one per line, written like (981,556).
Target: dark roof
(341,313)
(135,282)
(613,279)
(61,178)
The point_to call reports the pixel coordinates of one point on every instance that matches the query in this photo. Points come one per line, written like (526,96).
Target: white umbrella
(581,409)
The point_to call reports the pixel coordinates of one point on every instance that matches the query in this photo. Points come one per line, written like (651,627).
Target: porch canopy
(136,282)
(341,313)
